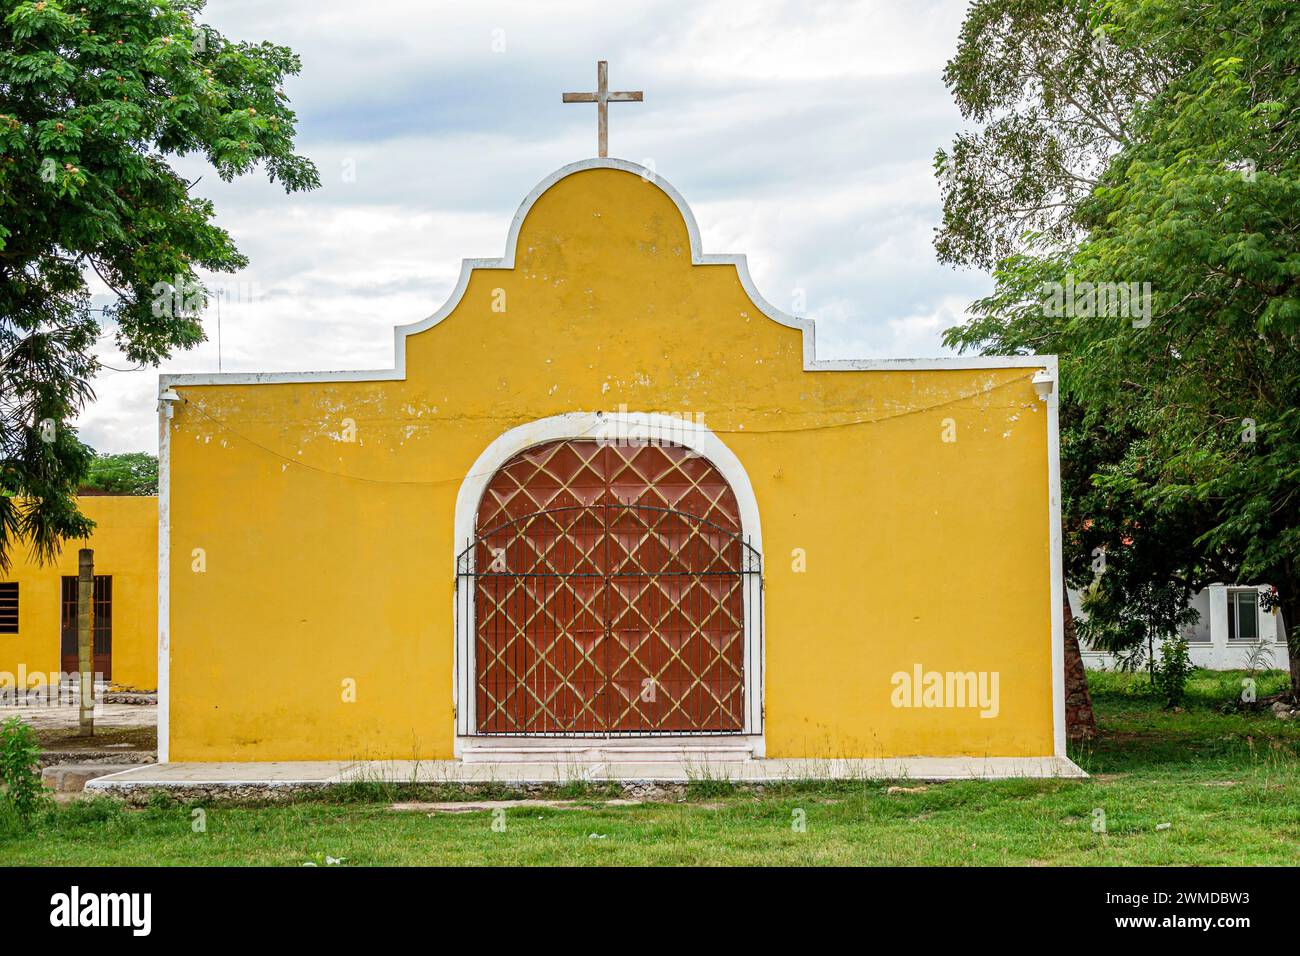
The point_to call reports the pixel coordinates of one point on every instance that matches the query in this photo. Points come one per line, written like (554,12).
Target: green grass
(1227,783)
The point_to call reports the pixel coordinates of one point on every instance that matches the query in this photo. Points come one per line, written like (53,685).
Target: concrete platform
(679,770)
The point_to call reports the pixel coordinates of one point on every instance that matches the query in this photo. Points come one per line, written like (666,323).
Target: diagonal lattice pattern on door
(609,586)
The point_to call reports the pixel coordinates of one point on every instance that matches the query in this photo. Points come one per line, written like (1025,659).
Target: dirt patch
(119,728)
(108,738)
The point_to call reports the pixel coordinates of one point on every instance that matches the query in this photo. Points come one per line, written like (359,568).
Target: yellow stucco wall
(325,560)
(125,542)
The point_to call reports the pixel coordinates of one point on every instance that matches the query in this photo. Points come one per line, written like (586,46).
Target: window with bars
(8,607)
(102,626)
(1243,615)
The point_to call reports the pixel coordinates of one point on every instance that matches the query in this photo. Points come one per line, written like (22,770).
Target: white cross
(602,98)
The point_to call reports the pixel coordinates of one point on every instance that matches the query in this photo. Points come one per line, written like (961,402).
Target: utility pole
(220,293)
(85,628)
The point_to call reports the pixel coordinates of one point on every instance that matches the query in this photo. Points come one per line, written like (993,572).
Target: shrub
(1171,671)
(20,767)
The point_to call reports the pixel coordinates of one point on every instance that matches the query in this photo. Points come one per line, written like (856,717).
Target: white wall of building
(1208,640)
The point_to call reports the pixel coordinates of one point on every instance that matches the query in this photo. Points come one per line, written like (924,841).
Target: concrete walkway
(65,716)
(318,773)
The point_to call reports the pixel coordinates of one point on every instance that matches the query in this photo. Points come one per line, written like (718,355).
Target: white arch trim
(692,434)
(593,425)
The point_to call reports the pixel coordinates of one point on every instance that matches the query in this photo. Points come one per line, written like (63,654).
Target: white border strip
(1056,569)
(623,769)
(164,579)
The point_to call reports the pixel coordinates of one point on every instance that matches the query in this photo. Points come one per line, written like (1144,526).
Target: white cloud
(800,132)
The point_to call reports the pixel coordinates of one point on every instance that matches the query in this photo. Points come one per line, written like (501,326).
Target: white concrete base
(646,768)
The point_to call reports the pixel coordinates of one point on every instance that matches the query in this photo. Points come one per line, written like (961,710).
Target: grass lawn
(1227,785)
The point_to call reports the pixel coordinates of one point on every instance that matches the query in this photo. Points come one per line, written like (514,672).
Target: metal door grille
(608,619)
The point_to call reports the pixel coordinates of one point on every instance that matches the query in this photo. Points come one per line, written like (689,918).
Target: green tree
(96,98)
(1190,186)
(1136,562)
(130,473)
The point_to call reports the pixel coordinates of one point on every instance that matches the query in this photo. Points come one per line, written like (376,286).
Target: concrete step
(605,751)
(73,777)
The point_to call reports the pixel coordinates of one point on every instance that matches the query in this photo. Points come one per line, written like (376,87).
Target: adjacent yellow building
(38,602)
(609,491)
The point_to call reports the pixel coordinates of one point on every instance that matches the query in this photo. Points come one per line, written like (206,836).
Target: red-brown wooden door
(101,629)
(609,594)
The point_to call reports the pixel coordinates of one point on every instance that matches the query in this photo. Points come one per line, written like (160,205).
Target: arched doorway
(608,590)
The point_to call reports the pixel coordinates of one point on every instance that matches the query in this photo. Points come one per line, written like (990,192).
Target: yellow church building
(608,497)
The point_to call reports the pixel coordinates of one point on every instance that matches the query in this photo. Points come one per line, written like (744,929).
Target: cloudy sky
(801,133)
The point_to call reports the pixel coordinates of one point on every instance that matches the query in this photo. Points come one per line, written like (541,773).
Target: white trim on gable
(698,257)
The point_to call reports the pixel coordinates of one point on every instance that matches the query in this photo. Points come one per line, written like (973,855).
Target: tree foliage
(1189,185)
(1050,98)
(96,98)
(129,473)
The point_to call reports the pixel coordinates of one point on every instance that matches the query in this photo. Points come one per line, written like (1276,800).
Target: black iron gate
(608,619)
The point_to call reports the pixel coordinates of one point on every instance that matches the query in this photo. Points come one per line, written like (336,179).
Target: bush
(1172,669)
(20,770)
